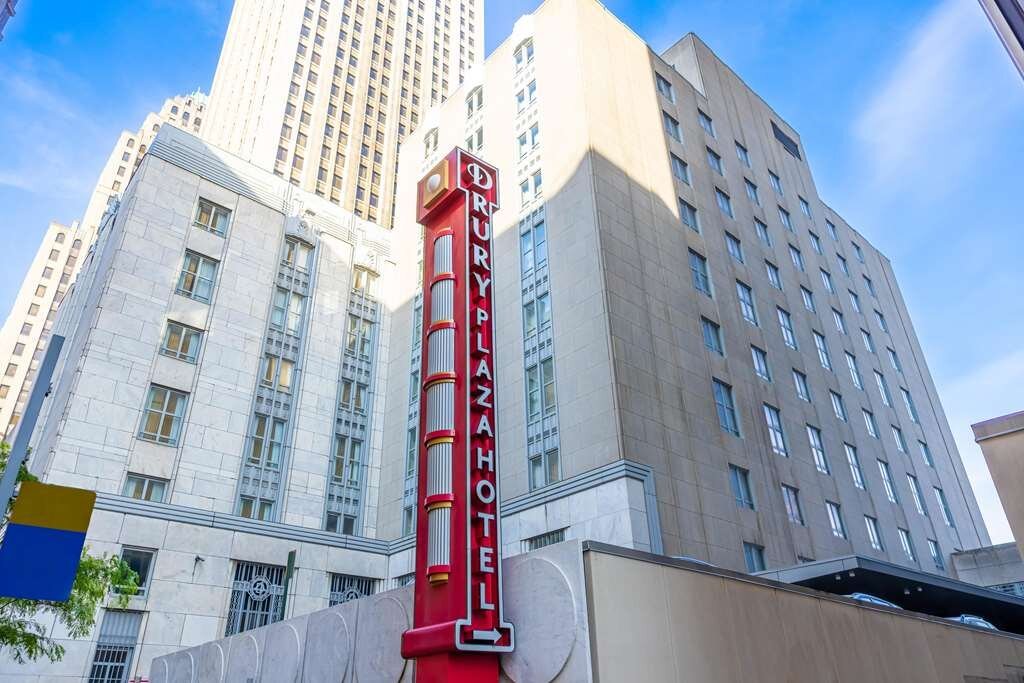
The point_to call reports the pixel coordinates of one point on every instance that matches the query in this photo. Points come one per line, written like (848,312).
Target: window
(837,405)
(947,514)
(805,208)
(739,481)
(671,127)
(851,363)
(802,390)
(26,329)
(787,221)
(54,255)
(817,449)
(797,257)
(887,481)
(544,540)
(908,401)
(266,441)
(347,464)
(211,217)
(699,271)
(786,325)
(788,143)
(791,499)
(181,342)
(12,370)
(894,360)
(5,389)
(762,233)
(843,265)
(856,473)
(881,321)
(773,419)
(926,453)
(870,285)
(936,553)
(869,344)
(139,561)
(743,155)
(277,372)
(257,597)
(855,301)
(544,468)
(776,183)
(915,493)
(752,194)
(286,313)
(680,169)
(536,314)
(870,424)
(144,488)
(831,227)
(897,435)
(688,215)
(753,555)
(523,55)
(808,298)
(197,276)
(746,298)
(874,537)
(907,543)
(533,247)
(826,279)
(858,251)
(734,246)
(822,346)
(345,587)
(162,416)
(540,389)
(815,242)
(725,407)
(714,161)
(115,646)
(840,321)
(835,519)
(724,203)
(712,336)
(883,388)
(296,254)
(19,349)
(760,359)
(664,87)
(773,275)
(706,123)
(338,523)
(359,336)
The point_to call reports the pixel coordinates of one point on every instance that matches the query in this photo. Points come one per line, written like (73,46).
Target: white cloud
(989,391)
(941,105)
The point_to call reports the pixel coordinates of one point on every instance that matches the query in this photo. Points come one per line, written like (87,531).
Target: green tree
(23,636)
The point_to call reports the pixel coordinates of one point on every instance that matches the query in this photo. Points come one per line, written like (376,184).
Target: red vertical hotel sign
(458,623)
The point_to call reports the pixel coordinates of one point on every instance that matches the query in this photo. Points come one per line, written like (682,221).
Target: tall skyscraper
(27,326)
(1007,17)
(323,96)
(6,12)
(695,354)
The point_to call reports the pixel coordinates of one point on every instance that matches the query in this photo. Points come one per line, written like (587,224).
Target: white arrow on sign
(493,635)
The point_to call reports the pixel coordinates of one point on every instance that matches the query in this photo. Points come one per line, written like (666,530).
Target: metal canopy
(911,589)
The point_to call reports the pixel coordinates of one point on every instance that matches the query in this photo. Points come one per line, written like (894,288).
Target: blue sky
(910,112)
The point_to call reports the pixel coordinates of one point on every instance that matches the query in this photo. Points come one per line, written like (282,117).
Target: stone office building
(697,356)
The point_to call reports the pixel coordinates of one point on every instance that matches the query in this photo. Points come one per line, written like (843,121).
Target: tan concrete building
(1002,442)
(323,97)
(671,292)
(27,327)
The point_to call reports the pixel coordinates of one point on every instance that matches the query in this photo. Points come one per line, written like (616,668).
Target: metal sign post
(458,621)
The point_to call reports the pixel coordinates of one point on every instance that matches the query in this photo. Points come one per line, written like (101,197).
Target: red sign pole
(458,622)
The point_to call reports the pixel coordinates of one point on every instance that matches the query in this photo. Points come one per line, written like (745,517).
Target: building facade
(27,327)
(1002,443)
(324,97)
(696,356)
(1007,17)
(6,12)
(672,292)
(29,324)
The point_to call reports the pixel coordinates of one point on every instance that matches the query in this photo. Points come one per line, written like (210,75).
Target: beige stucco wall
(651,622)
(1002,441)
